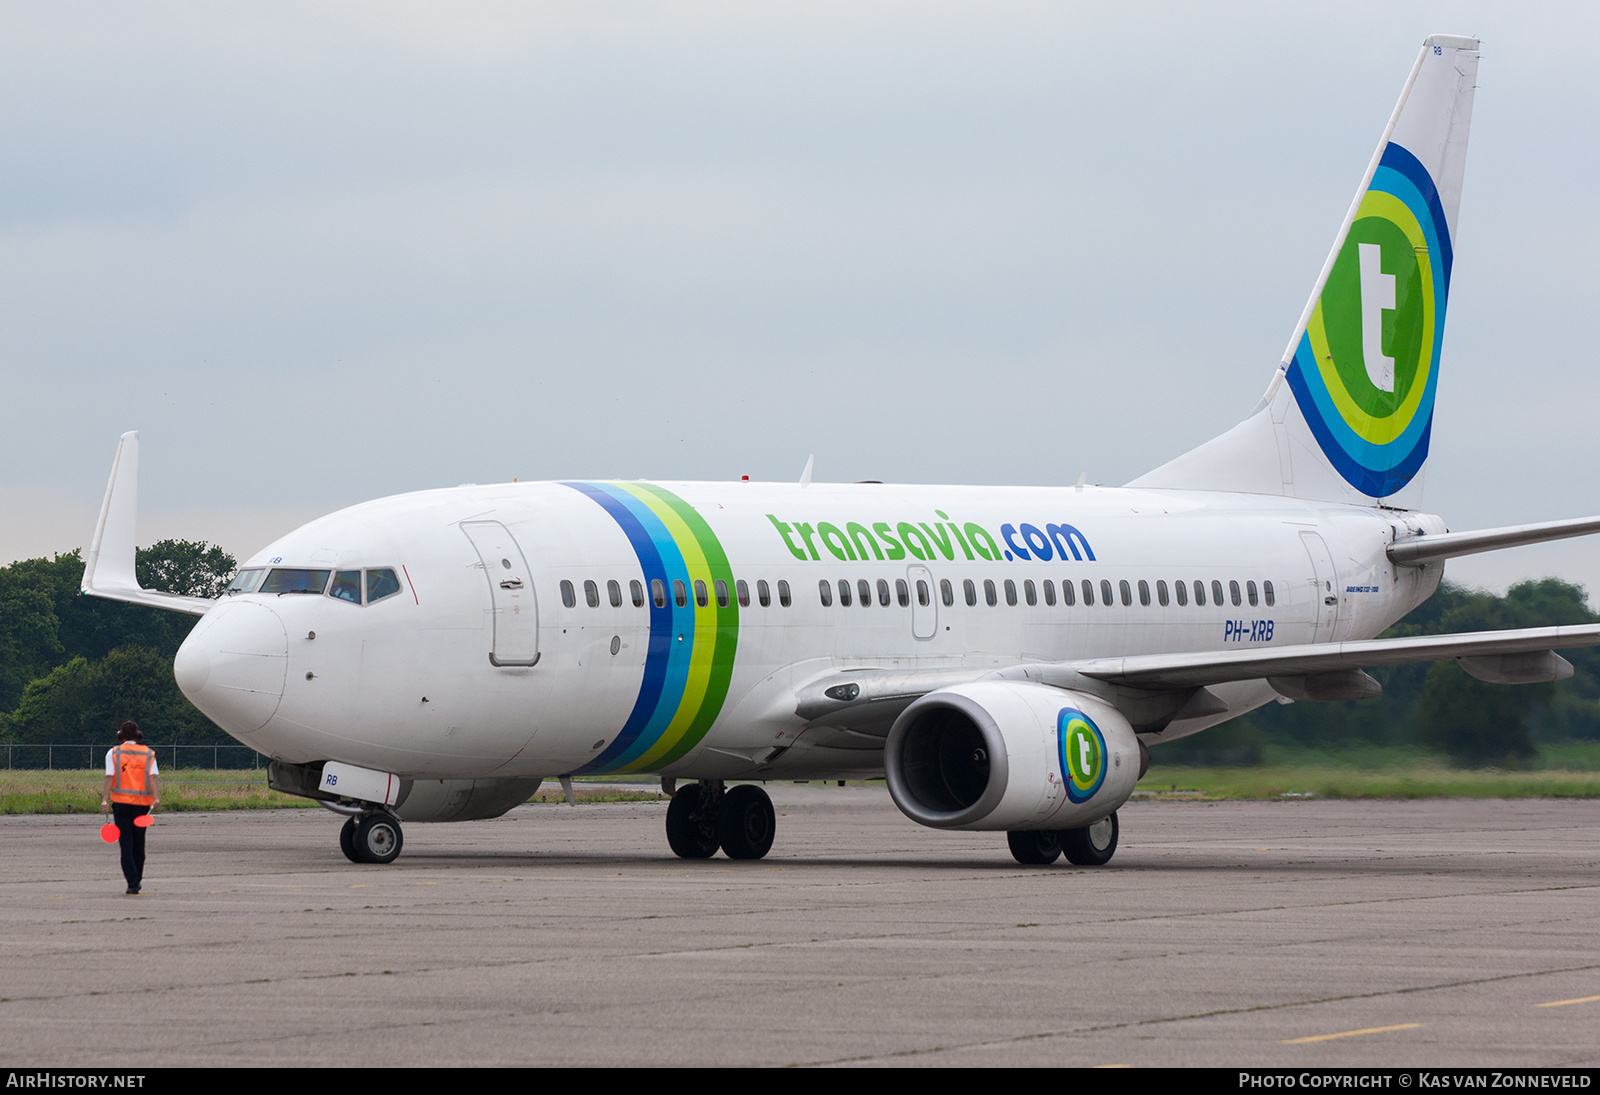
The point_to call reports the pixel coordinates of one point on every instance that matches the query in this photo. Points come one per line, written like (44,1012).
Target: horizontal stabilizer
(108,570)
(1423,550)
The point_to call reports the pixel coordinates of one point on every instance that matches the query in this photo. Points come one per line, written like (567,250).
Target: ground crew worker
(131,791)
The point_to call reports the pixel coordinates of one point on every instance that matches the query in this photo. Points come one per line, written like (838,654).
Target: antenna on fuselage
(1082,475)
(805,476)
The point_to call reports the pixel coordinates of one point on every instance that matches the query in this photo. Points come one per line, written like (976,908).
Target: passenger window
(971,591)
(1161,591)
(924,594)
(826,592)
(1199,593)
(1068,598)
(742,590)
(1144,592)
(844,593)
(1029,593)
(679,593)
(722,593)
(1049,592)
(946,592)
(1011,593)
(614,593)
(1250,592)
(699,593)
(1105,592)
(1233,592)
(568,597)
(903,594)
(783,593)
(1088,592)
(1266,588)
(1216,592)
(1127,594)
(764,593)
(989,593)
(637,592)
(864,589)
(658,592)
(591,593)
(346,586)
(883,593)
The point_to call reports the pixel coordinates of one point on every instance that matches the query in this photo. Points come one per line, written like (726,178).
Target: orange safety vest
(131,763)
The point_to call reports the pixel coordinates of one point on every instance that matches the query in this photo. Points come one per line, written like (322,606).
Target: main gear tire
(691,826)
(746,822)
(1092,845)
(1035,847)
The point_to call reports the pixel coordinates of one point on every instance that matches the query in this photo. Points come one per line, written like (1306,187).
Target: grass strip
(68,791)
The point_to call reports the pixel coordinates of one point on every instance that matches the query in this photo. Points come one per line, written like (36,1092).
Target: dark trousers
(132,841)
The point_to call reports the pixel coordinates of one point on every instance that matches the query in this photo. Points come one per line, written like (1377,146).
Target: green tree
(72,666)
(187,567)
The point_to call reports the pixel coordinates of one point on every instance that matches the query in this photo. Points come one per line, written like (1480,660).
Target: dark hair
(129,731)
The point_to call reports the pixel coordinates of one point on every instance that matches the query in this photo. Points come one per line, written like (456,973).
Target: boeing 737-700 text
(1005,657)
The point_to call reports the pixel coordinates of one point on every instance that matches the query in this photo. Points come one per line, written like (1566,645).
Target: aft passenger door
(1324,595)
(513,606)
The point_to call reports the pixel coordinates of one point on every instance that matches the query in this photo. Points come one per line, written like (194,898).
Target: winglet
(110,561)
(109,569)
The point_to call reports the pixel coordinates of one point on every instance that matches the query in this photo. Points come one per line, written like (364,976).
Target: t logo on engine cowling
(1083,754)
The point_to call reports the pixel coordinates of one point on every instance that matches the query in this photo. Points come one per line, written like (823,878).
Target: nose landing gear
(374,838)
(703,817)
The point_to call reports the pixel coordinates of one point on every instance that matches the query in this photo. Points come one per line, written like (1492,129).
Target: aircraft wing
(1522,648)
(108,569)
(1151,689)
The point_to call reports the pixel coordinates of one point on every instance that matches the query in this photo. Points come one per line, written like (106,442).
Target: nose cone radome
(232,665)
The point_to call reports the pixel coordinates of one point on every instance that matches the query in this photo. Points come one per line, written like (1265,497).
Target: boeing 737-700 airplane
(1005,657)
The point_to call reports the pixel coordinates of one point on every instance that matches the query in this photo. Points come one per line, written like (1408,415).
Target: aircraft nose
(233,663)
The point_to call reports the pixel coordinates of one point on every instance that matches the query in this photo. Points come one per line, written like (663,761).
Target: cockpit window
(246,581)
(346,586)
(285,580)
(381,583)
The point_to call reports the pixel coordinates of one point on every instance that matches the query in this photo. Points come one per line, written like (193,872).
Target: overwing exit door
(513,607)
(924,610)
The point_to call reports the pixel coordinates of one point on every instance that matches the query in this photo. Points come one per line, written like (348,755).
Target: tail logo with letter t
(1367,365)
(1348,414)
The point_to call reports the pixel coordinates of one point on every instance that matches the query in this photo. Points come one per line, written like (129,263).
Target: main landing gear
(1090,846)
(372,838)
(703,817)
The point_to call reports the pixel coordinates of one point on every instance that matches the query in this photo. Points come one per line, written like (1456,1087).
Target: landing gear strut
(1091,846)
(375,838)
(703,817)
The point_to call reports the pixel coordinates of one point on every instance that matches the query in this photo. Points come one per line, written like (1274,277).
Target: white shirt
(111,765)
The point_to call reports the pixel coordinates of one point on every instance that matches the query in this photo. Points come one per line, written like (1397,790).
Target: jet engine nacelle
(1010,755)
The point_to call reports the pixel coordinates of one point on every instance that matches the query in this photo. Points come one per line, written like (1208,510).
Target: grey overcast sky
(323,252)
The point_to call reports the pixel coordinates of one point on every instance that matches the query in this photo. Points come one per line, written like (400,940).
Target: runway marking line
(1349,1034)
(1564,1003)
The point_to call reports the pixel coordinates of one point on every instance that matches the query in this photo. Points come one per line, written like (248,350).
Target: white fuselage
(408,684)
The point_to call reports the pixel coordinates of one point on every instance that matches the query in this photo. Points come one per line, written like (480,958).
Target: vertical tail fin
(1349,413)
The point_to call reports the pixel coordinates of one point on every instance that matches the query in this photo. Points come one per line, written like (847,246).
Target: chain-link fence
(75,757)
